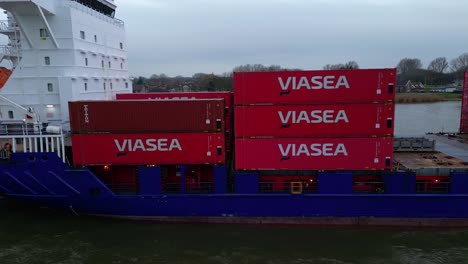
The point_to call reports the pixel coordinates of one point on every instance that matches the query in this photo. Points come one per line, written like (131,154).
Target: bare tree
(226,75)
(407,65)
(340,66)
(158,77)
(460,63)
(258,68)
(272,68)
(199,75)
(352,65)
(438,65)
(249,68)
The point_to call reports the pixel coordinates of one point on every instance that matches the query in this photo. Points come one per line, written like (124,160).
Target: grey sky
(182,37)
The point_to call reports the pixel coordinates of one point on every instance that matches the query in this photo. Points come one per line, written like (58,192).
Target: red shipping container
(148,149)
(227,96)
(314,154)
(346,120)
(464,108)
(465,82)
(185,116)
(315,87)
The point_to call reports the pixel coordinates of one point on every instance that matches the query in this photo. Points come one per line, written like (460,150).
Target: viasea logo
(328,82)
(313,117)
(312,150)
(148,145)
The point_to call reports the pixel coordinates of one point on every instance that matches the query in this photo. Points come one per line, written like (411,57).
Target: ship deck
(427,160)
(456,146)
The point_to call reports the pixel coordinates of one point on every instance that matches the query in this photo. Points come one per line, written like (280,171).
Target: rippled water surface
(419,119)
(44,236)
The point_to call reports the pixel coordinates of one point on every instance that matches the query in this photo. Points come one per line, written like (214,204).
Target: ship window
(82,35)
(126,85)
(50,87)
(104,86)
(109,64)
(111,86)
(121,45)
(98,6)
(102,62)
(10,114)
(95,38)
(47,60)
(86,86)
(43,33)
(86,61)
(121,66)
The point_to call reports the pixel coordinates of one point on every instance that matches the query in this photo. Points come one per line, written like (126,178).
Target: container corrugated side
(344,120)
(315,87)
(133,116)
(464,108)
(148,149)
(227,96)
(314,154)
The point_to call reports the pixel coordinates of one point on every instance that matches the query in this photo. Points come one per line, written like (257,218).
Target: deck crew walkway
(451,146)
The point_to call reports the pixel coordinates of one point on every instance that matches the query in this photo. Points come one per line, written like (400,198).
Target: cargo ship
(301,147)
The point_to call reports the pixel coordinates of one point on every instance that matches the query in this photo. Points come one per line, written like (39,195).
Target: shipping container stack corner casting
(307,147)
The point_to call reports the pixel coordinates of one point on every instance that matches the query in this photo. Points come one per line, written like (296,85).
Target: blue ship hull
(45,180)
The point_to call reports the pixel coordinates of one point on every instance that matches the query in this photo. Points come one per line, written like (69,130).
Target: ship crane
(31,117)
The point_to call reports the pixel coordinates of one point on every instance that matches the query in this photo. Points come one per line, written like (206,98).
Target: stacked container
(314,120)
(148,132)
(464,111)
(226,96)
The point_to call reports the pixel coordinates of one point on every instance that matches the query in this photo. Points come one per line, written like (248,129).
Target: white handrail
(6,25)
(55,143)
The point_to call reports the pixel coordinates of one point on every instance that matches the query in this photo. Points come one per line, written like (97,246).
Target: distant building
(410,86)
(140,88)
(444,90)
(458,82)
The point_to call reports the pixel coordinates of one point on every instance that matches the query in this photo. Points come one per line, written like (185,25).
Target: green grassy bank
(407,98)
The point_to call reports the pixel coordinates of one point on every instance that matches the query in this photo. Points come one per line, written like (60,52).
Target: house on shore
(410,87)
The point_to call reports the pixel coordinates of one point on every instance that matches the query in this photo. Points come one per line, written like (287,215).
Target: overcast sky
(183,37)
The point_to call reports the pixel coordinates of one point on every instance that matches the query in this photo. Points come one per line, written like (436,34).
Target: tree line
(440,71)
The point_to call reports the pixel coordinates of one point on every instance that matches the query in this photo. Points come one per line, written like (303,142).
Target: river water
(419,119)
(44,236)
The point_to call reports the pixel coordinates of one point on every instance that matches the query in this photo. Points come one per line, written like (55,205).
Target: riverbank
(407,98)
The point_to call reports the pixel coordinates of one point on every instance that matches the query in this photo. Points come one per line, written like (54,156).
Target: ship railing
(19,127)
(192,188)
(36,143)
(6,25)
(91,11)
(294,187)
(433,187)
(7,49)
(171,187)
(199,187)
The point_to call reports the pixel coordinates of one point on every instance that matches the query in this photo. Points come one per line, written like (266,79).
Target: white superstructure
(60,51)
